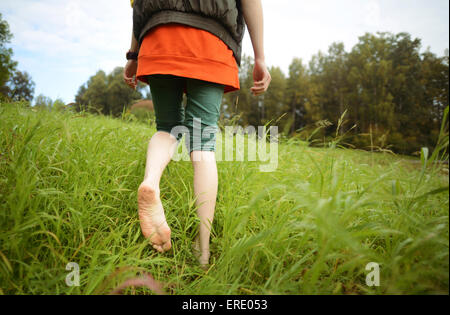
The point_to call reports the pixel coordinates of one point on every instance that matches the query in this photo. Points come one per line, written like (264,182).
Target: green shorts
(197,120)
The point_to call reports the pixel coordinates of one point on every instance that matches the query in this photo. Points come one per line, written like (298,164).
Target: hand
(129,74)
(261,78)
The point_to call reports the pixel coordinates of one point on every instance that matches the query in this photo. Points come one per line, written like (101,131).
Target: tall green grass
(68,193)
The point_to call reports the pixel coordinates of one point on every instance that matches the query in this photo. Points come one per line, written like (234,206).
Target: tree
(242,102)
(435,82)
(272,104)
(391,91)
(370,79)
(20,87)
(297,92)
(94,94)
(334,80)
(7,65)
(43,102)
(107,94)
(58,105)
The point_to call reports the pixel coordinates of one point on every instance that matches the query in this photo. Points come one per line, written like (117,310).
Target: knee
(201,138)
(175,129)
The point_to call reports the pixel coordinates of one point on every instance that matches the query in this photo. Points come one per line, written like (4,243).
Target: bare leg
(205,190)
(151,213)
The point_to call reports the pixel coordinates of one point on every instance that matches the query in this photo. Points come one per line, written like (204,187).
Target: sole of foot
(152,219)
(203,258)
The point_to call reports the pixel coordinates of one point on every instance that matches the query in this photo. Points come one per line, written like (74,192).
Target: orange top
(186,51)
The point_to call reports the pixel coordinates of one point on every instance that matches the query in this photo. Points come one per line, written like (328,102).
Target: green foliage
(298,95)
(144,115)
(394,95)
(20,87)
(58,105)
(43,102)
(107,94)
(14,85)
(275,96)
(68,184)
(242,103)
(7,65)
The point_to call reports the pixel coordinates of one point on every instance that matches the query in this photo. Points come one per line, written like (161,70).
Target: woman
(192,47)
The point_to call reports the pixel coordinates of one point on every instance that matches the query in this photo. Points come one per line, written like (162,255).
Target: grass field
(68,193)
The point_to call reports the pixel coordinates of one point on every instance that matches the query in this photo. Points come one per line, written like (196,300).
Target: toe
(158,248)
(156,239)
(167,246)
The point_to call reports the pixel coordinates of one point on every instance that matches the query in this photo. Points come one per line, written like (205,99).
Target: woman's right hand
(129,74)
(261,78)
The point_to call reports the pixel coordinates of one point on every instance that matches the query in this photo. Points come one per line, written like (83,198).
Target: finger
(128,81)
(126,77)
(265,79)
(129,84)
(258,84)
(258,94)
(259,89)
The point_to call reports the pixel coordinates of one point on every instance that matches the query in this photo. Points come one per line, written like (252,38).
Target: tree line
(391,95)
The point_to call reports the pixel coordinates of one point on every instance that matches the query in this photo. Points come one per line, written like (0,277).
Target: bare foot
(153,221)
(202,257)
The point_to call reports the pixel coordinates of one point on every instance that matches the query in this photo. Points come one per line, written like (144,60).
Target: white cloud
(72,39)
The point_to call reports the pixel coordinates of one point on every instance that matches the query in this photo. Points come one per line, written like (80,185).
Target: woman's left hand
(129,74)
(261,78)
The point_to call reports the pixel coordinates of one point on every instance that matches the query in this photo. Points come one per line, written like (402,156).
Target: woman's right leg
(167,93)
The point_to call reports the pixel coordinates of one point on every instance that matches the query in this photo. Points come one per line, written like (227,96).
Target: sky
(62,43)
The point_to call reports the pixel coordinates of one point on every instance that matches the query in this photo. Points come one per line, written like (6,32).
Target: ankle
(204,250)
(204,258)
(151,182)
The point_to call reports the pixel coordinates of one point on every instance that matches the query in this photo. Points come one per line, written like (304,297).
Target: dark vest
(222,18)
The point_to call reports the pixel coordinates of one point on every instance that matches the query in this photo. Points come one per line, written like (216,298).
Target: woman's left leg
(205,191)
(201,116)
